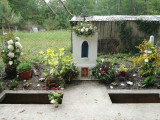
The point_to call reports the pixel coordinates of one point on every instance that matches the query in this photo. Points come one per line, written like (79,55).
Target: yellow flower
(62,49)
(49,51)
(41,52)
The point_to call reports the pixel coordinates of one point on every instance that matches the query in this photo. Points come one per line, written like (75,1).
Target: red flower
(47,88)
(53,88)
(102,70)
(58,88)
(106,69)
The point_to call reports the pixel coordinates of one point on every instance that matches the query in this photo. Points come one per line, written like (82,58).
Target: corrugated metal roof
(118,18)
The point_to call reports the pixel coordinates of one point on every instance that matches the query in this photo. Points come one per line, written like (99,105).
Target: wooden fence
(109,35)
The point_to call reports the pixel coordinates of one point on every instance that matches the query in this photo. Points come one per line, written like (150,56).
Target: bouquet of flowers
(84,28)
(55,98)
(103,72)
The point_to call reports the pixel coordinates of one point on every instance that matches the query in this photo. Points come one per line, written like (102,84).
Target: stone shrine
(85,53)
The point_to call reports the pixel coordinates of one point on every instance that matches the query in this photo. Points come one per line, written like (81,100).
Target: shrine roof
(118,18)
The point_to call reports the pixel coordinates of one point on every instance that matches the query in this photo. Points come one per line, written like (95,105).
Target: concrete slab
(85,100)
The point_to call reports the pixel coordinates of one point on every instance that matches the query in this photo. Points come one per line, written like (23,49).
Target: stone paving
(85,100)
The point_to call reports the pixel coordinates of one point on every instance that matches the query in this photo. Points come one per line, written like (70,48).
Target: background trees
(25,13)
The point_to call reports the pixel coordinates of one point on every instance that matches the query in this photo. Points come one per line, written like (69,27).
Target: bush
(103,72)
(148,62)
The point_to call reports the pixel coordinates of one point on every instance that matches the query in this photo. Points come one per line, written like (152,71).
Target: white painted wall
(92,51)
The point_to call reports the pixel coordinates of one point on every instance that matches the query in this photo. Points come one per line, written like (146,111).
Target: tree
(8,16)
(133,7)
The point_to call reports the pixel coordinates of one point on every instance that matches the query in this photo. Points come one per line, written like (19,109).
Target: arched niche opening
(85,48)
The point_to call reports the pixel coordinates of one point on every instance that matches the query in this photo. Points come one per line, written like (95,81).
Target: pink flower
(58,88)
(79,30)
(47,88)
(53,88)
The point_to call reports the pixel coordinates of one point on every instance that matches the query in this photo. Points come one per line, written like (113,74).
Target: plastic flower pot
(122,73)
(56,105)
(26,75)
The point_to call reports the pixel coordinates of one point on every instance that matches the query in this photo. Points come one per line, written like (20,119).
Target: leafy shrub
(24,66)
(11,50)
(13,84)
(148,62)
(60,66)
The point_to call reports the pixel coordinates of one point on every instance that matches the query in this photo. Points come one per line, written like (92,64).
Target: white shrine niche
(85,53)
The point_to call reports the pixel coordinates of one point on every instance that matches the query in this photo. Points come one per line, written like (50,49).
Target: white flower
(99,74)
(17,38)
(10,42)
(149,51)
(10,62)
(82,30)
(83,27)
(18,45)
(21,53)
(102,60)
(52,101)
(146,60)
(86,29)
(146,51)
(111,87)
(10,47)
(11,55)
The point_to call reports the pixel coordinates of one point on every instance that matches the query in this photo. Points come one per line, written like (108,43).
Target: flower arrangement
(60,66)
(148,62)
(84,28)
(55,98)
(103,72)
(11,51)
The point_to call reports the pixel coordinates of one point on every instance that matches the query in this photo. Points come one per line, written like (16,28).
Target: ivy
(125,36)
(148,27)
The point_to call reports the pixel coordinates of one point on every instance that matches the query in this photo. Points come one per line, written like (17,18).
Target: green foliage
(24,66)
(56,96)
(60,65)
(103,72)
(13,84)
(148,62)
(148,27)
(122,68)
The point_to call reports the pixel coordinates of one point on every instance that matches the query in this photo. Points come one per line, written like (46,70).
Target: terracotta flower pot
(26,75)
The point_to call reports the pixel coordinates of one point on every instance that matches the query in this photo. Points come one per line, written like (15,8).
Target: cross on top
(84,14)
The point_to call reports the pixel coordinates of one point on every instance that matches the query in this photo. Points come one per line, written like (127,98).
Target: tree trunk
(66,8)
(49,7)
(118,12)
(133,7)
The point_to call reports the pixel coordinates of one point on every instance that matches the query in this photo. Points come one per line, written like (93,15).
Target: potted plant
(122,70)
(55,98)
(25,70)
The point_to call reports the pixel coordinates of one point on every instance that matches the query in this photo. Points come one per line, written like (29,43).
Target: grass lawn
(33,43)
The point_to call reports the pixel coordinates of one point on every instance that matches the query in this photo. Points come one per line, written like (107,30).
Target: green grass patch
(33,43)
